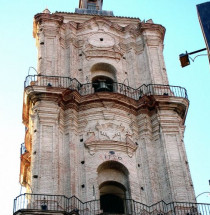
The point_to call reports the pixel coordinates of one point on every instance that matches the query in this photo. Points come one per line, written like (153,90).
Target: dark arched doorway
(112,204)
(112,195)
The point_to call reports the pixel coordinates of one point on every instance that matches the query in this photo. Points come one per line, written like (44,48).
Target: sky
(18,53)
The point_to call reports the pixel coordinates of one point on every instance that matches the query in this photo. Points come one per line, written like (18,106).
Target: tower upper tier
(91,4)
(92,7)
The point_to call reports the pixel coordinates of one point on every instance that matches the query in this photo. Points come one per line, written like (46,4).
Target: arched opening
(102,83)
(103,77)
(113,186)
(112,195)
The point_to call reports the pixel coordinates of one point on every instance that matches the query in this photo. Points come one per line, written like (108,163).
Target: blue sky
(18,53)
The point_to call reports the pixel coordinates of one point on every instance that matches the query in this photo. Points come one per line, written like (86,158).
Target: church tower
(104,129)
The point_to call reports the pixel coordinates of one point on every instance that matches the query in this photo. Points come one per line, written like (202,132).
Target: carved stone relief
(110,136)
(110,131)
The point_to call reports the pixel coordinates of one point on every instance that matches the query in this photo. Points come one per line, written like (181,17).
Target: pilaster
(145,134)
(45,152)
(71,144)
(48,41)
(176,162)
(153,36)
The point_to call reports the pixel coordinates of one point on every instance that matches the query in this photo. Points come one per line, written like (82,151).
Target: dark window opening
(102,84)
(112,204)
(101,39)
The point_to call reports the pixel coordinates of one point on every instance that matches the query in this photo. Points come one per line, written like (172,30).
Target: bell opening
(102,84)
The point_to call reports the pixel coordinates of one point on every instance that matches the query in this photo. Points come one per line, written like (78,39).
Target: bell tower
(104,129)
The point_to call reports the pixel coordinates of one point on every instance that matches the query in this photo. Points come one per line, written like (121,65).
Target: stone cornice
(44,17)
(67,14)
(72,99)
(153,27)
(135,29)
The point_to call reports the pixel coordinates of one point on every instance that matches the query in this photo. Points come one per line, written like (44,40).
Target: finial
(46,11)
(150,21)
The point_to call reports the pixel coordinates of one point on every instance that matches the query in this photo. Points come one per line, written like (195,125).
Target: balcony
(58,204)
(91,88)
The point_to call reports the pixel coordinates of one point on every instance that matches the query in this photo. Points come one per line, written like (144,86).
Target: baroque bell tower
(104,129)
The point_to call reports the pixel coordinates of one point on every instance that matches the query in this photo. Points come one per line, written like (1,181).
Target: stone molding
(72,99)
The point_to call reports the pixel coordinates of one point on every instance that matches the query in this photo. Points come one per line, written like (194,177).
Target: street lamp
(184,58)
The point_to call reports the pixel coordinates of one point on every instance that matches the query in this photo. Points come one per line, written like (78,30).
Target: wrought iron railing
(62,204)
(88,88)
(59,203)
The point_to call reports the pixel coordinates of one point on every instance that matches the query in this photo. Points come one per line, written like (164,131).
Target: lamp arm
(200,50)
(201,194)
(193,59)
(31,67)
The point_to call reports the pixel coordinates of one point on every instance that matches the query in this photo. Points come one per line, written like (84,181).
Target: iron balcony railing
(90,88)
(62,204)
